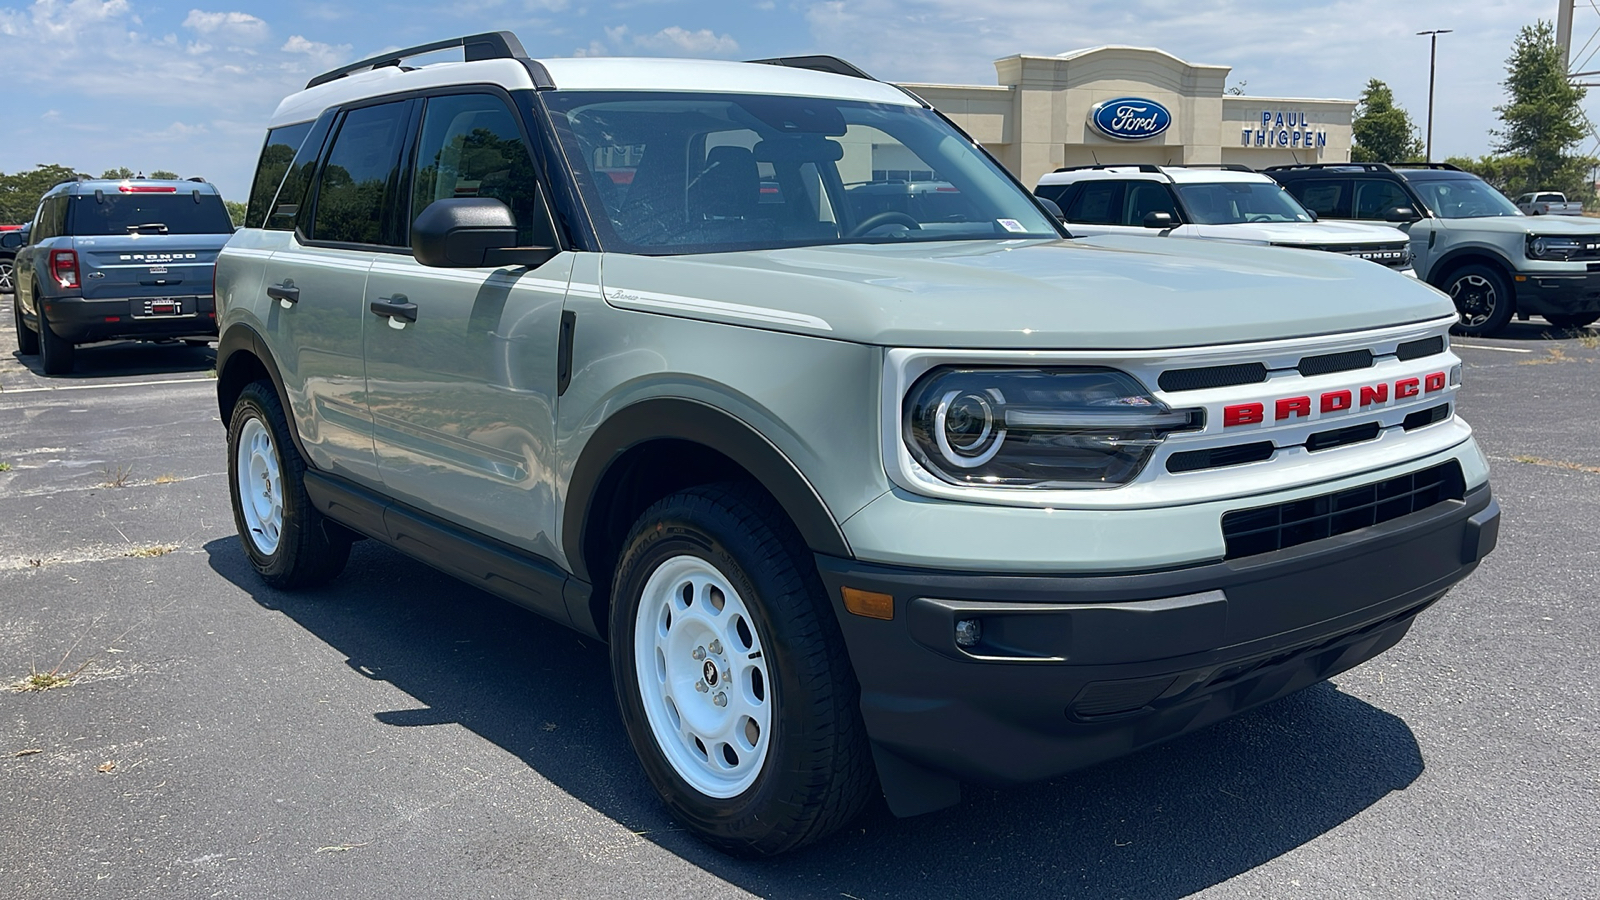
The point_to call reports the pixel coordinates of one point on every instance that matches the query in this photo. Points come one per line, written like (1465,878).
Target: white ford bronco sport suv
(1214,203)
(860,500)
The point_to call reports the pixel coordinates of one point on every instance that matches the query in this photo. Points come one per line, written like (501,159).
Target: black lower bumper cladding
(1071,670)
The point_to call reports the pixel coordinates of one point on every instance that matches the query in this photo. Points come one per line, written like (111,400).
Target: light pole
(1433,56)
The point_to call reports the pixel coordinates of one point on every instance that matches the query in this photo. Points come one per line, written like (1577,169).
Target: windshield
(189,212)
(1464,198)
(696,173)
(1233,202)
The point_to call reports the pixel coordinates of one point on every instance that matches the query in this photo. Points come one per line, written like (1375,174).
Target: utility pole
(1564,32)
(1433,56)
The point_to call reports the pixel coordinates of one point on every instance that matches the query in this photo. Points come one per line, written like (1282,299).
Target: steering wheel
(1258,217)
(883,218)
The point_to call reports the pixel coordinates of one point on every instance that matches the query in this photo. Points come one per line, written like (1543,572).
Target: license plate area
(163,306)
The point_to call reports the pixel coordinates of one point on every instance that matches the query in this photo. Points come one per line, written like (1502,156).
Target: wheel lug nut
(701,687)
(716,647)
(720,699)
(699,653)
(727,675)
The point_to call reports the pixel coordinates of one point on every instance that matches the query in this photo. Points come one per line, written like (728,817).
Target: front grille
(1418,349)
(1212,377)
(1249,532)
(1395,256)
(1218,457)
(1335,362)
(1424,417)
(1339,437)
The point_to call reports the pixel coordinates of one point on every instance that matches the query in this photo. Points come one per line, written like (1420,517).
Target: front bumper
(1539,293)
(85,321)
(1076,669)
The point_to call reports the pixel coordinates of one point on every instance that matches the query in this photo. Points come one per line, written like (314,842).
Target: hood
(1354,234)
(1111,292)
(1528,225)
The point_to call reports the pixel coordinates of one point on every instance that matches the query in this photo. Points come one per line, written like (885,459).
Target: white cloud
(673,40)
(237,26)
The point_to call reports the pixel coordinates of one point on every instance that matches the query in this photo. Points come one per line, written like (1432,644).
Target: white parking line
(1454,345)
(95,387)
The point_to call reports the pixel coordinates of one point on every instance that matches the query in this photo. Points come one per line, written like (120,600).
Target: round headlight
(969,426)
(1539,246)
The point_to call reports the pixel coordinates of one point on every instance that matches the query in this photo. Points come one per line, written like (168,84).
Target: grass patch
(151,551)
(5,467)
(1557,464)
(116,476)
(44,681)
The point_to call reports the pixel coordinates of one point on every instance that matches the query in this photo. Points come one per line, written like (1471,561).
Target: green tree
(1383,131)
(118,172)
(163,173)
(235,211)
(20,192)
(1544,118)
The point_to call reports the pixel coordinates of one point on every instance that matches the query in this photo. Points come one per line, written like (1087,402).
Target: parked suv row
(1218,203)
(110,259)
(868,488)
(1467,239)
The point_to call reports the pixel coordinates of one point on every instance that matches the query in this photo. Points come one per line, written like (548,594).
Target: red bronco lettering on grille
(1332,401)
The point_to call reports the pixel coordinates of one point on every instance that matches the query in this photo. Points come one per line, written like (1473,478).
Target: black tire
(309,550)
(1483,300)
(1572,320)
(27,338)
(817,772)
(56,354)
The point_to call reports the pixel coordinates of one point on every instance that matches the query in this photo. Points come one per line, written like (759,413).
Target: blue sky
(188,86)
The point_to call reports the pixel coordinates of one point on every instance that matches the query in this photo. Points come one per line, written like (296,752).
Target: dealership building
(1135,105)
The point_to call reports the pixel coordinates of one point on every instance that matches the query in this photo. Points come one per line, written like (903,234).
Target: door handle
(285,293)
(396,307)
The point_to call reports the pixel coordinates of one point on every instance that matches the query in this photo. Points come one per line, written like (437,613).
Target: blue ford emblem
(1129,118)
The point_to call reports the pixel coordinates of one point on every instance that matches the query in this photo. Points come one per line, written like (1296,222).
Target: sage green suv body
(862,488)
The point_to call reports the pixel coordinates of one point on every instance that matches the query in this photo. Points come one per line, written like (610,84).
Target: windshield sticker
(1012,225)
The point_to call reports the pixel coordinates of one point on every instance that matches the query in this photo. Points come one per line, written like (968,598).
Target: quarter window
(276,155)
(471,147)
(362,172)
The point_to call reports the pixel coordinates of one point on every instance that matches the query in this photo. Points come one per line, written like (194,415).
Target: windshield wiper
(148,228)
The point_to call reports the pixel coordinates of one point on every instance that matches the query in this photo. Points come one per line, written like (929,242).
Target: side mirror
(471,232)
(1400,214)
(10,240)
(1051,207)
(1159,220)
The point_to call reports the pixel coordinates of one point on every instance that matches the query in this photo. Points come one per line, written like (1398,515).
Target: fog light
(968,632)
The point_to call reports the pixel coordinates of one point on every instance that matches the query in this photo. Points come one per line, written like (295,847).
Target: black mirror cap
(1313,214)
(1051,207)
(471,232)
(1159,220)
(1401,214)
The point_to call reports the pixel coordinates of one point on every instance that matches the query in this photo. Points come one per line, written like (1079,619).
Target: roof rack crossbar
(1427,165)
(490,45)
(1226,167)
(833,65)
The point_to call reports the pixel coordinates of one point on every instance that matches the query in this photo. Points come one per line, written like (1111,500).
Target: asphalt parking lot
(399,735)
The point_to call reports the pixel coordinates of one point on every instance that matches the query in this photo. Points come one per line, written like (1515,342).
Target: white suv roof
(1174,174)
(592,74)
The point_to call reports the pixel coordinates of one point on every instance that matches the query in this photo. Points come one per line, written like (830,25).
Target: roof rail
(1138,167)
(1427,165)
(1363,166)
(1226,167)
(833,65)
(490,45)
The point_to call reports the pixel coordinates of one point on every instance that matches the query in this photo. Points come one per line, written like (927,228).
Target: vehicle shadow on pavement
(1163,823)
(126,358)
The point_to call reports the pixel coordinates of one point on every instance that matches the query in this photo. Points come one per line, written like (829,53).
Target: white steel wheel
(702,677)
(258,481)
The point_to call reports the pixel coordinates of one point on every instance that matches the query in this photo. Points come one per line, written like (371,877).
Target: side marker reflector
(867,603)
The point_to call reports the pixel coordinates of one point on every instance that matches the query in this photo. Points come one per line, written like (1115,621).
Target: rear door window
(1098,203)
(1329,198)
(360,177)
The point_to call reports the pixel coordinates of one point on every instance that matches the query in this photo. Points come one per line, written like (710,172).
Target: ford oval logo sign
(1129,118)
